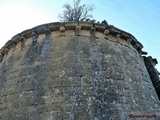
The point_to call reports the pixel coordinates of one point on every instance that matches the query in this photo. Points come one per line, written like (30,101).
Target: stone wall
(75,71)
(150,63)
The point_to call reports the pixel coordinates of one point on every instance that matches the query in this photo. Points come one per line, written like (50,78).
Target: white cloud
(18,17)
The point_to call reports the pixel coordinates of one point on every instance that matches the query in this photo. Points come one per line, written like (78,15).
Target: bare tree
(76,12)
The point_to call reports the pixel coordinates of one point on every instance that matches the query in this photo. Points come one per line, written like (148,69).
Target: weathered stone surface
(153,74)
(71,25)
(75,78)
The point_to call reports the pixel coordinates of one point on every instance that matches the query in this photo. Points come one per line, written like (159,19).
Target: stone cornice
(105,29)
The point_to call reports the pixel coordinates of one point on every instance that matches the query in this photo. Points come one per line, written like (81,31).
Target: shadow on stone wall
(154,74)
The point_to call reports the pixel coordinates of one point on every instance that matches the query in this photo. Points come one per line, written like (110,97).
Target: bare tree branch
(76,12)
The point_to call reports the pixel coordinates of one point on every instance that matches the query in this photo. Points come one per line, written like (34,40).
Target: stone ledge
(152,60)
(70,25)
(86,25)
(57,26)
(40,29)
(100,27)
(54,26)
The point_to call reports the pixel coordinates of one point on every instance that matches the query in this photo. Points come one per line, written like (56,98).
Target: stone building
(77,71)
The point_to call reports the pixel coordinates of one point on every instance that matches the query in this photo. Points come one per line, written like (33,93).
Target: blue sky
(141,18)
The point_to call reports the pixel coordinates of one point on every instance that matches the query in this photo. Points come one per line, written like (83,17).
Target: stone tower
(77,71)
